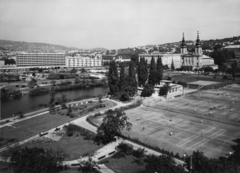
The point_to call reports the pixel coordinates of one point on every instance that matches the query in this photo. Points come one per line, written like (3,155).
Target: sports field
(207,121)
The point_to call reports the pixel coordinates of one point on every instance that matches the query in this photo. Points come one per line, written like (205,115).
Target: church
(196,60)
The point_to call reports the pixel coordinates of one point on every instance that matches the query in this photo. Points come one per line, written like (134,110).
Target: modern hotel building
(41,60)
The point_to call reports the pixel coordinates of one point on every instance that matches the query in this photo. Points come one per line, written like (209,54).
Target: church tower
(198,46)
(183,46)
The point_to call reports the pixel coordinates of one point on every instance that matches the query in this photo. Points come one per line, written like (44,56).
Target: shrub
(125,148)
(38,91)
(91,109)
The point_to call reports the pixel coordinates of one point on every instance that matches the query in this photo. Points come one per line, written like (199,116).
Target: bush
(38,91)
(91,109)
(124,148)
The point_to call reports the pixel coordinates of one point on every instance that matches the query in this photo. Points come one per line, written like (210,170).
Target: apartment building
(40,60)
(83,61)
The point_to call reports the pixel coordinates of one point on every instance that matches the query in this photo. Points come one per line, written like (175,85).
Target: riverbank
(33,125)
(27,104)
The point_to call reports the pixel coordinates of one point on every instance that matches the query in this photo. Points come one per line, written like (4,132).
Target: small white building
(174,89)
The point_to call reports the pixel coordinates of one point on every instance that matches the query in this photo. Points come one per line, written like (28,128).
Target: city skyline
(116,24)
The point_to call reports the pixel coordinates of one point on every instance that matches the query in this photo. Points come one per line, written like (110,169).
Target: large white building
(167,59)
(185,60)
(41,60)
(84,61)
(196,60)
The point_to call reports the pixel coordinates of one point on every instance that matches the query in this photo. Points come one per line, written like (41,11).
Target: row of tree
(125,85)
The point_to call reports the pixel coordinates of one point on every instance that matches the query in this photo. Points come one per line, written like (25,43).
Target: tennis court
(207,121)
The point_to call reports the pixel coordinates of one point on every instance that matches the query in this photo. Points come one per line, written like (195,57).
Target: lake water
(26,103)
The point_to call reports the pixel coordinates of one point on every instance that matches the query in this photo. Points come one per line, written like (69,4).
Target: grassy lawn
(30,127)
(74,146)
(123,164)
(33,126)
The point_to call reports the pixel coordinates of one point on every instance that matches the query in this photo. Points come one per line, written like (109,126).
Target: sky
(115,24)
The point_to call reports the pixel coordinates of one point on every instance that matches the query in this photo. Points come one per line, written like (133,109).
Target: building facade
(41,60)
(167,59)
(196,60)
(83,61)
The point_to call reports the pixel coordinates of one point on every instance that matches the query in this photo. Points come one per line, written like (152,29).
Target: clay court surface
(207,121)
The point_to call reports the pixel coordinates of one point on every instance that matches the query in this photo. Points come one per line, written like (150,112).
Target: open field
(74,146)
(206,121)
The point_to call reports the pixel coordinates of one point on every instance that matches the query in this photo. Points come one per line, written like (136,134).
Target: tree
(52,100)
(159,70)
(234,69)
(147,91)
(112,125)
(77,80)
(88,165)
(69,110)
(53,82)
(100,98)
(63,101)
(172,65)
(113,78)
(162,163)
(201,164)
(142,72)
(83,70)
(132,77)
(122,77)
(73,70)
(37,160)
(152,72)
(163,90)
(208,69)
(32,83)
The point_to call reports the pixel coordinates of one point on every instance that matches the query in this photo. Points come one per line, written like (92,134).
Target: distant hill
(98,49)
(33,47)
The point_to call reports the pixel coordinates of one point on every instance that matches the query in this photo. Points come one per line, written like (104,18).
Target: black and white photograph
(120,86)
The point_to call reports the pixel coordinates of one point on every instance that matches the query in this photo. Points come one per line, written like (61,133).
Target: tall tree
(122,77)
(132,76)
(113,78)
(52,100)
(142,72)
(172,65)
(234,69)
(159,70)
(152,72)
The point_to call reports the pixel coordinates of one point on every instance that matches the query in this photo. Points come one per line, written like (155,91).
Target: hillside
(33,47)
